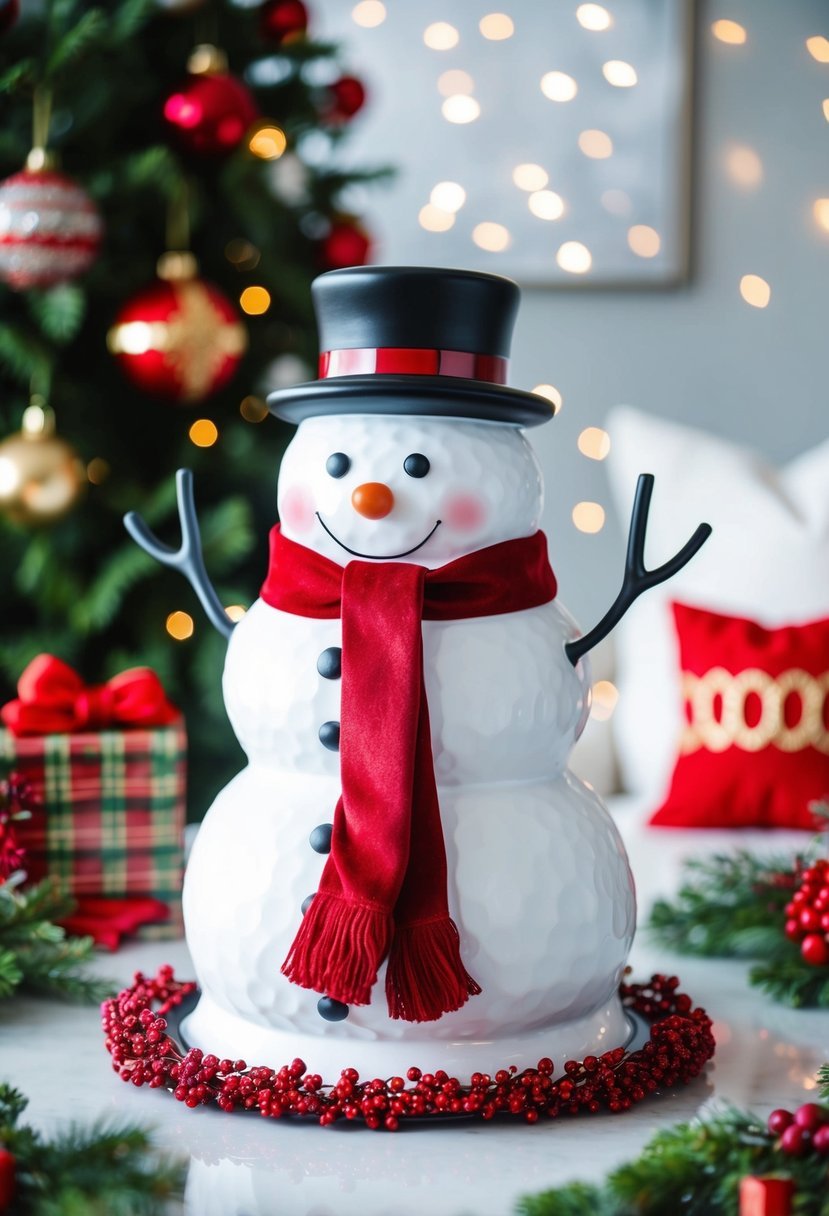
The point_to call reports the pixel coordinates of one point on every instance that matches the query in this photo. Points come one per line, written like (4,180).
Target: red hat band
(408,361)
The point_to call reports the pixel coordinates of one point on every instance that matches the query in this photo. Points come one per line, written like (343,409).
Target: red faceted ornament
(181,338)
(347,244)
(50,229)
(8,1171)
(344,98)
(283,20)
(214,111)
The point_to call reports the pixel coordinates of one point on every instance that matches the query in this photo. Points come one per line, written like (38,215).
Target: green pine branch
(23,356)
(18,75)
(88,31)
(227,534)
(106,1169)
(726,907)
(104,595)
(58,312)
(785,977)
(693,1168)
(35,953)
(732,906)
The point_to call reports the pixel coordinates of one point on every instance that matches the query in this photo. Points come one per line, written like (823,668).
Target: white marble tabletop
(245,1166)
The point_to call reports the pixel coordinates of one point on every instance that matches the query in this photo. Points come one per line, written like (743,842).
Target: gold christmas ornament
(41,476)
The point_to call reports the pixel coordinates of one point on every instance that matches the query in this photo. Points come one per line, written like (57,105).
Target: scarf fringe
(426,976)
(339,948)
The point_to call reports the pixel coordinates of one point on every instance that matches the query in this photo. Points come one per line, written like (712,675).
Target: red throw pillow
(754,751)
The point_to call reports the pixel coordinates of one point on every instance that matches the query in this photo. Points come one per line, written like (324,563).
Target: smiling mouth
(378,557)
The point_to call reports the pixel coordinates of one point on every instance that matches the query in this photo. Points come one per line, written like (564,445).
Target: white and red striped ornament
(50,229)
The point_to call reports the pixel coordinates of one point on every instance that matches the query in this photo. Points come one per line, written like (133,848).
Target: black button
(329,734)
(306,903)
(320,838)
(331,1010)
(330,663)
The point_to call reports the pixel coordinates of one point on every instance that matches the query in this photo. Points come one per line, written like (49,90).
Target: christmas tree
(153,127)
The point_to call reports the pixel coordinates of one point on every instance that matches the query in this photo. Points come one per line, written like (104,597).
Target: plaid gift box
(111,815)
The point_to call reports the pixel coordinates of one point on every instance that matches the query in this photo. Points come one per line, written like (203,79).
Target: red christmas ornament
(347,244)
(344,98)
(283,20)
(214,111)
(50,229)
(8,1169)
(181,338)
(807,914)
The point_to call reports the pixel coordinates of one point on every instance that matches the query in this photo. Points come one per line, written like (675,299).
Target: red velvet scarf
(383,889)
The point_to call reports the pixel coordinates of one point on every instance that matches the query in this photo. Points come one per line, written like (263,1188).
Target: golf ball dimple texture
(493,463)
(538,880)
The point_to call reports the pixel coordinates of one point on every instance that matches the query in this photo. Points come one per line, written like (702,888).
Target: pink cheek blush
(297,509)
(464,512)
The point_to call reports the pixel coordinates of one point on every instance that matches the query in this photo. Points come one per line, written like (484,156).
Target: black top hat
(413,340)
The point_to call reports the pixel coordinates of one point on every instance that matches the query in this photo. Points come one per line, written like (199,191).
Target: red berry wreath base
(679,1046)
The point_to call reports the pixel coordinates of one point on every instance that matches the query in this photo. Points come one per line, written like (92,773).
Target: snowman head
(410,445)
(397,487)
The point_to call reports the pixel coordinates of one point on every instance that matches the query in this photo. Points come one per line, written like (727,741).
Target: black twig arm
(188,557)
(637,579)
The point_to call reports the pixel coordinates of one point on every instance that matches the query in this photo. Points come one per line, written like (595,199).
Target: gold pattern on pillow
(705,728)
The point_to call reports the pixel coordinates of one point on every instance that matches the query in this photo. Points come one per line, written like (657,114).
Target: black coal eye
(416,465)
(338,464)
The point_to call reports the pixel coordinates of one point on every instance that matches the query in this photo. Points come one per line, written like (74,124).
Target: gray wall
(699,354)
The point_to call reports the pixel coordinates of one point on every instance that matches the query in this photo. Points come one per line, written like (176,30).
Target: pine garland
(733,906)
(696,1169)
(36,955)
(102,1170)
(35,952)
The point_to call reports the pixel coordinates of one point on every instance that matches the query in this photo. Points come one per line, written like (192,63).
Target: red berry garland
(808,914)
(679,1046)
(805,1131)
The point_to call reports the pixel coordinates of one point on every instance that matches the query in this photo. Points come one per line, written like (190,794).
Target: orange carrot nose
(373,499)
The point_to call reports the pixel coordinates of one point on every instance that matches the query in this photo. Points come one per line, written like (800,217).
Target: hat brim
(428,396)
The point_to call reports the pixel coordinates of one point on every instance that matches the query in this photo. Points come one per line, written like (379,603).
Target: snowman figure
(421,879)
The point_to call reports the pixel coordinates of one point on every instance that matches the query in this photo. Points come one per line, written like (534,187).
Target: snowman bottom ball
(541,893)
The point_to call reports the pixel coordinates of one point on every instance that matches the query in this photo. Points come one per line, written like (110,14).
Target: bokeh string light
(755,290)
(593,17)
(730,32)
(368,14)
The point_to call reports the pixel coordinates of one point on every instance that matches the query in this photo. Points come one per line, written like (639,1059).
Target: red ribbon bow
(52,699)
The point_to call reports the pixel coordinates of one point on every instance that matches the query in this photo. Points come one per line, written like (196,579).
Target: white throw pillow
(768,559)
